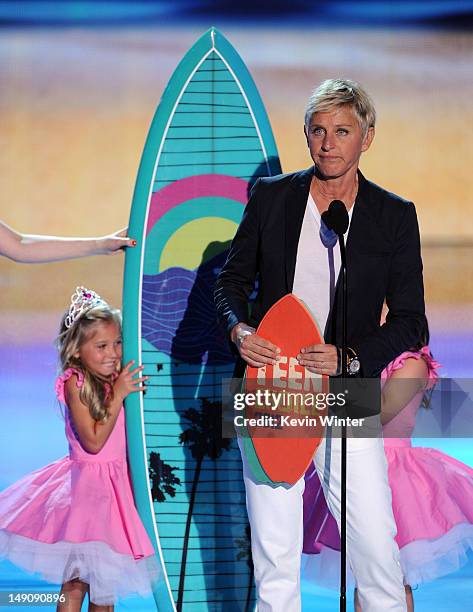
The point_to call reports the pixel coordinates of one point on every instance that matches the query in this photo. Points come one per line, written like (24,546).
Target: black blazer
(383,262)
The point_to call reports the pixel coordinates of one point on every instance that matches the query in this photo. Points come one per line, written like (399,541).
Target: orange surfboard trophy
(284,401)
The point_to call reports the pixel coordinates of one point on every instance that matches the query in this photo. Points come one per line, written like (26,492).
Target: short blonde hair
(341,92)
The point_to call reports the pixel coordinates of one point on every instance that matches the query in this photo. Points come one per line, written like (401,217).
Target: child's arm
(402,386)
(94,434)
(29,248)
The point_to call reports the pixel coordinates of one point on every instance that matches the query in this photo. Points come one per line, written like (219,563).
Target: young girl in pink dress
(431,492)
(74,521)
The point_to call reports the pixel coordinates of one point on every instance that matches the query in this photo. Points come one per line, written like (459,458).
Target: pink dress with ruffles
(432,498)
(76,518)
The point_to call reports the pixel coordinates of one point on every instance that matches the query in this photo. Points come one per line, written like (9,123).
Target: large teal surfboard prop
(210,139)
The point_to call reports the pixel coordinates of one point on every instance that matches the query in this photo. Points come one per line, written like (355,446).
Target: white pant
(276,520)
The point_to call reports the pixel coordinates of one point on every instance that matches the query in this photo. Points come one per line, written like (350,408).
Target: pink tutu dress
(432,498)
(76,518)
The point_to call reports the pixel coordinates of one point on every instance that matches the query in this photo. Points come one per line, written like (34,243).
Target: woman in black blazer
(383,263)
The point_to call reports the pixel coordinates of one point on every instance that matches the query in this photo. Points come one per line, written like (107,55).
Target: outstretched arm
(30,248)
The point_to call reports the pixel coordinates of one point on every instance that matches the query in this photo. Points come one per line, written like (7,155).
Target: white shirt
(317,266)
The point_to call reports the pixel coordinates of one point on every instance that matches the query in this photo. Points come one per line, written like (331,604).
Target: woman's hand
(126,383)
(320,359)
(254,349)
(110,245)
(30,248)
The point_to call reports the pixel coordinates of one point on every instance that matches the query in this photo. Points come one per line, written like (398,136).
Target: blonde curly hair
(96,392)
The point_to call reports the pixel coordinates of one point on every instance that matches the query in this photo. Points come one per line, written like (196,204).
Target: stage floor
(32,436)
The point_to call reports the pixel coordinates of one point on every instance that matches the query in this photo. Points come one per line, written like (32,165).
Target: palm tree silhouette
(244,547)
(204,439)
(162,478)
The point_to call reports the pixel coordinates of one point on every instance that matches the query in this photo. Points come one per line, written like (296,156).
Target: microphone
(336,217)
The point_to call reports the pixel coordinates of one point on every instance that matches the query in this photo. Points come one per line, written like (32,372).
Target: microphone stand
(343,458)
(336,219)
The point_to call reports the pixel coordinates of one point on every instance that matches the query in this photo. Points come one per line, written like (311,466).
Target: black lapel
(294,209)
(360,217)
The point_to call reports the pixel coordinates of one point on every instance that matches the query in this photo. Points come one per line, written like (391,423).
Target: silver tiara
(82,300)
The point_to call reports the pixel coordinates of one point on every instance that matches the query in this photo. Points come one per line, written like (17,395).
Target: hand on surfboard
(126,382)
(281,454)
(114,243)
(319,358)
(254,349)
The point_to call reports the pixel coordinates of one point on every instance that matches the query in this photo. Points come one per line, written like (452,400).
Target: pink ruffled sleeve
(424,353)
(61,380)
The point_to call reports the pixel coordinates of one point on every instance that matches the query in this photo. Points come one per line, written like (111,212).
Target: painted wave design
(179,316)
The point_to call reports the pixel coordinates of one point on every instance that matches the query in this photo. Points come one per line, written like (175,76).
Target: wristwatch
(353,362)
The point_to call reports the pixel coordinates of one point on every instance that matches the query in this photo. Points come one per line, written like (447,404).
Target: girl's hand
(126,384)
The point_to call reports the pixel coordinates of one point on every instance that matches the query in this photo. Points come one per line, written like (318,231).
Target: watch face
(354,366)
